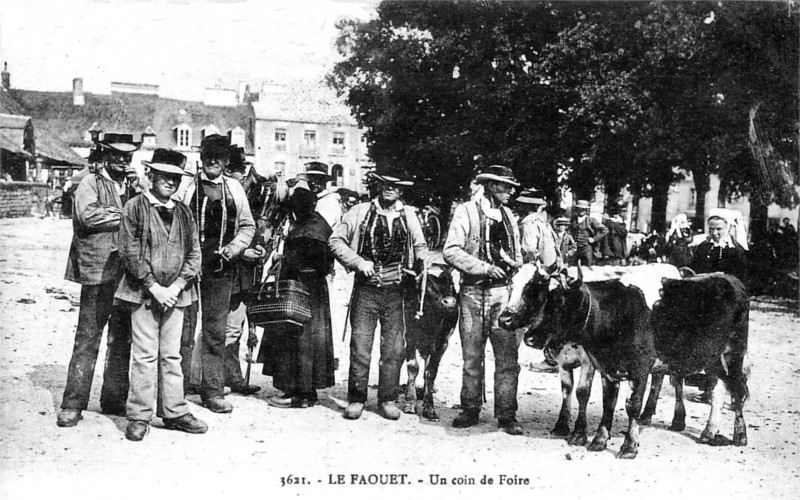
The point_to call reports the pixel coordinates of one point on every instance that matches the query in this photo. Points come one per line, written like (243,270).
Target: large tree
(575,94)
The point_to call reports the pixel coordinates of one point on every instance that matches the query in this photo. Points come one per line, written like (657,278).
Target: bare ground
(248,452)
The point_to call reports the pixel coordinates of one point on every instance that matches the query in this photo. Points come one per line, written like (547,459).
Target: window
(338,139)
(337,172)
(280,139)
(237,137)
(310,138)
(183,136)
(692,199)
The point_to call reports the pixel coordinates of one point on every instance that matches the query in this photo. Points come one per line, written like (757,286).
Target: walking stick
(347,314)
(249,359)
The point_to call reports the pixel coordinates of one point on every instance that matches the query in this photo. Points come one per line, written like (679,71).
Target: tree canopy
(577,95)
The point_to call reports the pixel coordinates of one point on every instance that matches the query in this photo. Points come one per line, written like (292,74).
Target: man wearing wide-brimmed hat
(587,233)
(379,240)
(226,228)
(483,243)
(161,255)
(94,263)
(537,238)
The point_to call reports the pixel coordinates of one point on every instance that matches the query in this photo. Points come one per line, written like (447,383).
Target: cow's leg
(736,383)
(710,434)
(565,415)
(583,392)
(679,417)
(656,380)
(633,407)
(430,373)
(610,392)
(412,366)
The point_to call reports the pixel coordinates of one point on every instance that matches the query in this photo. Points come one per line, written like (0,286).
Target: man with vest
(94,263)
(226,228)
(483,244)
(379,240)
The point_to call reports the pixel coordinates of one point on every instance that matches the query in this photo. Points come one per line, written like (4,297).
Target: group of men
(380,240)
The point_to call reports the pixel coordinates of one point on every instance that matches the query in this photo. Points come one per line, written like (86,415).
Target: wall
(21,199)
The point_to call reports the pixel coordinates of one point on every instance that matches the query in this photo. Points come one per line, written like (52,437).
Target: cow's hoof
(645,419)
(410,408)
(560,430)
(597,445)
(430,414)
(740,439)
(577,439)
(627,453)
(720,440)
(706,436)
(677,425)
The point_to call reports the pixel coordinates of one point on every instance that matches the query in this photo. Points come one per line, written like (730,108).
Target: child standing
(160,250)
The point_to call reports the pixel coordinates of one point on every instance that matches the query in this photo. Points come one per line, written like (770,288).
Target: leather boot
(466,418)
(186,423)
(218,405)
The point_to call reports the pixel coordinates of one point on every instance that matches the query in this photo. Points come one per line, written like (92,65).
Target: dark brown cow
(428,334)
(613,324)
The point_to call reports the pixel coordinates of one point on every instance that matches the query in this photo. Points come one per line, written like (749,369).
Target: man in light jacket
(380,240)
(483,243)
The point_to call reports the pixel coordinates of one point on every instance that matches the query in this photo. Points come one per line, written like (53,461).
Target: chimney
(77,92)
(6,77)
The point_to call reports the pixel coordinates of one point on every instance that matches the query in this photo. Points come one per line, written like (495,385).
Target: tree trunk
(658,214)
(759,217)
(702,184)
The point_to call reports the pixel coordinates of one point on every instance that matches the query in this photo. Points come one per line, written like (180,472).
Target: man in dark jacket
(587,233)
(94,263)
(615,243)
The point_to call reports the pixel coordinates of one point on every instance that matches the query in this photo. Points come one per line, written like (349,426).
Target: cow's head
(440,289)
(531,289)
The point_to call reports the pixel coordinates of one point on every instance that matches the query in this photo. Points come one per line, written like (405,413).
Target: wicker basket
(286,301)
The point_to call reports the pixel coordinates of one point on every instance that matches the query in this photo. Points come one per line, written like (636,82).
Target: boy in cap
(226,228)
(161,254)
(379,240)
(94,263)
(483,244)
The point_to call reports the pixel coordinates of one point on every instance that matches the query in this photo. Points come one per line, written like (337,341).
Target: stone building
(305,122)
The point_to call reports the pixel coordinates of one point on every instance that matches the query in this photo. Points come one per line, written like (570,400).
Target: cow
(428,331)
(570,355)
(613,323)
(702,323)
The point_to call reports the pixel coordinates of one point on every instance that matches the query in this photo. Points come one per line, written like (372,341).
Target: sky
(184,46)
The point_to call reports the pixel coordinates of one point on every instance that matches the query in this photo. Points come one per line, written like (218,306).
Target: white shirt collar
(392,211)
(204,177)
(154,201)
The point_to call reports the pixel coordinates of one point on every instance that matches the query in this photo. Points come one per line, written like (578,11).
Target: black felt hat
(168,161)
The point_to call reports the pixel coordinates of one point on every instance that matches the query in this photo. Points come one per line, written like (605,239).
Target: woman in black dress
(300,358)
